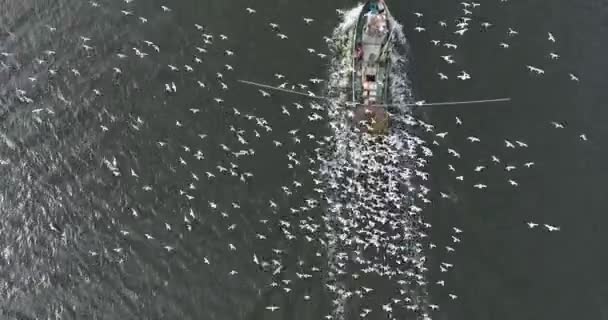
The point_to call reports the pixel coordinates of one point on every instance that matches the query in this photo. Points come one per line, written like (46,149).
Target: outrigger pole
(417,104)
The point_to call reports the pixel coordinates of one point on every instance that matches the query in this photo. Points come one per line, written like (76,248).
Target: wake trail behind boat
(374,225)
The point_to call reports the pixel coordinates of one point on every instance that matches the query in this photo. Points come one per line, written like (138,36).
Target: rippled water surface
(141,180)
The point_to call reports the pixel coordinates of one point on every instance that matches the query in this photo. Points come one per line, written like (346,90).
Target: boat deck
(370,69)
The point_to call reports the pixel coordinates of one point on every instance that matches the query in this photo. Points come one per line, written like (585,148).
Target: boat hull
(371,67)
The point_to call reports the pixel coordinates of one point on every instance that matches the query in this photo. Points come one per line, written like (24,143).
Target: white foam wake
(372,220)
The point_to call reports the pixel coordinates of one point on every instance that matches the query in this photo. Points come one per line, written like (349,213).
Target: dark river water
(122,200)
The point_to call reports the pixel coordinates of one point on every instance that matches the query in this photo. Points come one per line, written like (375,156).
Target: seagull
(528,164)
(165,9)
(513,183)
(473,139)
(419,29)
(442,76)
(272,308)
(308,20)
(264,93)
(461,31)
(250,11)
(463,75)
(448,58)
(418,14)
(509,144)
(553,55)
(557,125)
(503,45)
(512,32)
(480,186)
(228,52)
(551,37)
(551,228)
(535,69)
(282,36)
(435,42)
(573,77)
(531,225)
(458,121)
(583,137)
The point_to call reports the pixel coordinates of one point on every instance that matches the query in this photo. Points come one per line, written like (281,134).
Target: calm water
(80,241)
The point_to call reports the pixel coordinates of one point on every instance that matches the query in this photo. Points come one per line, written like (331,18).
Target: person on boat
(359,51)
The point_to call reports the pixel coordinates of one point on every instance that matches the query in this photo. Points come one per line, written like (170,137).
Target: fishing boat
(371,67)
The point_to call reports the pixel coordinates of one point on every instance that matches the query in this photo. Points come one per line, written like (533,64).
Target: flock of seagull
(363,212)
(463,24)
